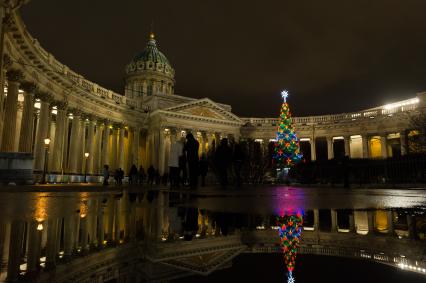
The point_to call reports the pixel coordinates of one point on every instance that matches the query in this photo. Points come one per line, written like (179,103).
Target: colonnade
(71,132)
(357,146)
(28,245)
(159,142)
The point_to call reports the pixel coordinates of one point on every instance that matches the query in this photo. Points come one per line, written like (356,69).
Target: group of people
(185,166)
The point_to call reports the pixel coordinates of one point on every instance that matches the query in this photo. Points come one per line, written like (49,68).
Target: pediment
(204,108)
(204,263)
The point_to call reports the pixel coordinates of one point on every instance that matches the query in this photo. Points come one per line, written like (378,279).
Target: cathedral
(53,119)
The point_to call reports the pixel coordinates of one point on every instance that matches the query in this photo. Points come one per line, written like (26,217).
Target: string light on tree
(287,147)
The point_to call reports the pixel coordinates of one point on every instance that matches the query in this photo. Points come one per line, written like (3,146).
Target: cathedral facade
(89,126)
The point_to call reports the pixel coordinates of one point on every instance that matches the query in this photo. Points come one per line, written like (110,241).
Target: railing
(76,78)
(386,110)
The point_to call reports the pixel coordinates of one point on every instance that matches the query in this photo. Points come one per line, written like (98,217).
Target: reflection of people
(222,160)
(204,168)
(190,225)
(191,150)
(133,174)
(106,175)
(151,175)
(176,151)
(238,162)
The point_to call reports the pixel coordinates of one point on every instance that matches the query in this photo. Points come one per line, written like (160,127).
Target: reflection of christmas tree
(290,230)
(287,149)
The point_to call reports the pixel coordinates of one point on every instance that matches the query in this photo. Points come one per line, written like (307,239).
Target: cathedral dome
(151,58)
(149,73)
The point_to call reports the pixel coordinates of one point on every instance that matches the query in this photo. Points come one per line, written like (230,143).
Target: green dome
(151,54)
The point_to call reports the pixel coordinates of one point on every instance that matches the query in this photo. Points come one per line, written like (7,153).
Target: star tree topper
(284,95)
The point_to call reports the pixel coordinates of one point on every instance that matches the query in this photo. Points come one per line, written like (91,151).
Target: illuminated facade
(43,98)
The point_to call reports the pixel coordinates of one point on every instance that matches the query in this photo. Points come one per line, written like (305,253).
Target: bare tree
(418,124)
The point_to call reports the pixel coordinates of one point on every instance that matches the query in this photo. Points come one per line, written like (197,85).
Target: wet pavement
(381,230)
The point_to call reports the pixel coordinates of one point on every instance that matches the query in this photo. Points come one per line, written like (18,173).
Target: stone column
(135,146)
(162,153)
(316,220)
(27,124)
(4,248)
(347,140)
(75,139)
(403,141)
(84,232)
(100,228)
(334,225)
(34,247)
(58,146)
(384,145)
(390,222)
(42,130)
(105,146)
(81,146)
(365,149)
(97,166)
(17,239)
(52,241)
(120,156)
(90,146)
(11,111)
(117,225)
(411,223)
(110,219)
(313,149)
(370,218)
(330,148)
(69,235)
(115,134)
(203,143)
(352,222)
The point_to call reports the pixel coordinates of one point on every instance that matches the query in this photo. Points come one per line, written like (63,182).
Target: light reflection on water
(85,222)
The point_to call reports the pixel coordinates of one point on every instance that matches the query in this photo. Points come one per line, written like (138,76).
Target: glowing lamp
(86,154)
(46,141)
(40,227)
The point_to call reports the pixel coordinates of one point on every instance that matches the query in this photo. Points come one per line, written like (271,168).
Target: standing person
(222,160)
(141,175)
(133,175)
(191,150)
(120,176)
(204,168)
(176,151)
(238,159)
(106,175)
(116,176)
(151,175)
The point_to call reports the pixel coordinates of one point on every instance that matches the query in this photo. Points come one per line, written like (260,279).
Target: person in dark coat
(151,175)
(141,175)
(204,168)
(222,160)
(133,175)
(106,174)
(191,151)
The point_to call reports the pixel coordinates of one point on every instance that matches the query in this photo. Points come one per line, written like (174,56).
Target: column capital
(43,96)
(14,75)
(28,87)
(74,111)
(61,104)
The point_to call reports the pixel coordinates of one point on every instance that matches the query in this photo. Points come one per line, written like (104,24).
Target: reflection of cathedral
(45,99)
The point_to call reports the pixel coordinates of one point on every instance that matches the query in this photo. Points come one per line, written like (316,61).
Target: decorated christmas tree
(290,231)
(287,148)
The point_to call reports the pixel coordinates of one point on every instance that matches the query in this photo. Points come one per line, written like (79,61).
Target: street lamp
(85,168)
(46,153)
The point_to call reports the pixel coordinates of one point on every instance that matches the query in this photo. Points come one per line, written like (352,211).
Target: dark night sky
(333,56)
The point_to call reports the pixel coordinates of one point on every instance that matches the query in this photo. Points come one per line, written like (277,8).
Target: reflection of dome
(149,72)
